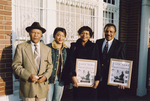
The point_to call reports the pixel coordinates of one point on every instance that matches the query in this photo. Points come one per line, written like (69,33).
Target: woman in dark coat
(84,49)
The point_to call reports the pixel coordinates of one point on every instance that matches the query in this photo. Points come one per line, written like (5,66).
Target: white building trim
(143,51)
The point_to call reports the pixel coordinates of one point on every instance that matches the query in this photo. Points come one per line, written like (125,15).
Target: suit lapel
(42,56)
(100,47)
(29,53)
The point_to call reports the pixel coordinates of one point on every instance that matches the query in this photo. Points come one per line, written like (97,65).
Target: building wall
(6,86)
(129,33)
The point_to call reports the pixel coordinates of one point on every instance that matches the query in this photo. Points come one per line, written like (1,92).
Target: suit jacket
(24,65)
(117,50)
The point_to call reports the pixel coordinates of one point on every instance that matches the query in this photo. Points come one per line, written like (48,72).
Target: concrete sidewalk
(128,97)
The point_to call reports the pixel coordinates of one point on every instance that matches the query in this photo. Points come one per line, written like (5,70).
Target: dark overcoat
(117,50)
(89,51)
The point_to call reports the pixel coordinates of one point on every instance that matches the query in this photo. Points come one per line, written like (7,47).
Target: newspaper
(119,73)
(86,72)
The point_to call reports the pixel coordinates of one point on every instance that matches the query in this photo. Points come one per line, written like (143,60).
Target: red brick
(5,88)
(8,64)
(2,84)
(5,79)
(5,32)
(5,70)
(2,56)
(2,93)
(2,75)
(2,37)
(8,74)
(5,61)
(2,88)
(129,29)
(5,51)
(8,87)
(5,41)
(7,36)
(1,27)
(2,12)
(5,22)
(8,83)
(5,2)
(8,18)
(8,47)
(2,65)
(8,8)
(1,17)
(1,6)
(7,92)
(8,56)
(2,47)
(1,80)
(8,27)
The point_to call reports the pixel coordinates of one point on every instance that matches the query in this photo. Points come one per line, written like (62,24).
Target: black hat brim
(40,28)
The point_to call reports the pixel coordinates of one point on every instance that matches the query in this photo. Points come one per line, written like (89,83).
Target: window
(111,13)
(72,15)
(110,1)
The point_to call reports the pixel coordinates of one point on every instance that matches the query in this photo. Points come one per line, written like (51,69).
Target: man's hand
(42,78)
(95,84)
(33,77)
(121,87)
(75,81)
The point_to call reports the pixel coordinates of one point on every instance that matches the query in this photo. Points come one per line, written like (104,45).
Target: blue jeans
(55,91)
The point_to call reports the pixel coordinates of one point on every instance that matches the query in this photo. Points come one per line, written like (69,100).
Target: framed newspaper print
(86,71)
(120,72)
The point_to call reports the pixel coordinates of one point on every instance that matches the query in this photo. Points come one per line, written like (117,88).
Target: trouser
(107,93)
(55,91)
(84,94)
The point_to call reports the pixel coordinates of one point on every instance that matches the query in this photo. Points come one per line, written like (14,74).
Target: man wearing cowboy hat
(33,64)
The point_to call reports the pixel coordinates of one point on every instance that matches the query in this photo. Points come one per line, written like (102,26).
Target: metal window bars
(70,14)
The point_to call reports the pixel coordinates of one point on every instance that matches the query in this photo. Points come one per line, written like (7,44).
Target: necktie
(105,50)
(36,56)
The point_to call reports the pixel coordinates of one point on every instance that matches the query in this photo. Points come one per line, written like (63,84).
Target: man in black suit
(109,47)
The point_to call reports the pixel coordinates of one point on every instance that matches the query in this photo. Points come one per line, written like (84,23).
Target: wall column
(143,51)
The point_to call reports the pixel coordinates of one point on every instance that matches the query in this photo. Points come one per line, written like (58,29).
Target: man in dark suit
(109,47)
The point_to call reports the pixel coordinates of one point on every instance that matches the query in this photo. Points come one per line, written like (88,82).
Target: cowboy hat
(35,25)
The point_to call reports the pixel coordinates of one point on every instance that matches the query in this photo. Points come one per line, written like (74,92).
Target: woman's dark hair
(86,28)
(59,29)
(109,25)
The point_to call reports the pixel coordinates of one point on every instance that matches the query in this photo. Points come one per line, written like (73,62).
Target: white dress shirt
(33,47)
(109,44)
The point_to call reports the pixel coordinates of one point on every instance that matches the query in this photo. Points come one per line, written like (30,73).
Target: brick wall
(6,84)
(130,18)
